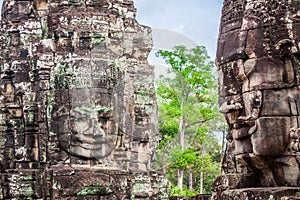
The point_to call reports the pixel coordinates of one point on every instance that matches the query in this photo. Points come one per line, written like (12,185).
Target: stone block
(272,136)
(258,193)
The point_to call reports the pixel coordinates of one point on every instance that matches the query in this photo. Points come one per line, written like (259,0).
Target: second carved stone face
(258,61)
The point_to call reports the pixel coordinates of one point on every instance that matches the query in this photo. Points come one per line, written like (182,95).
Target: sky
(180,22)
(196,20)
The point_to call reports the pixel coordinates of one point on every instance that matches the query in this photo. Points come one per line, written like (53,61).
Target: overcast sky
(197,20)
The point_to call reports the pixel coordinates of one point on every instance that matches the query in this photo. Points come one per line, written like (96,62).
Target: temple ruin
(258,59)
(78,112)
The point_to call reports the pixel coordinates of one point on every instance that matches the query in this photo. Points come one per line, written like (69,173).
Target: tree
(187,104)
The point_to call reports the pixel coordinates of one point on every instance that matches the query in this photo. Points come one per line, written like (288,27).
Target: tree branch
(197,122)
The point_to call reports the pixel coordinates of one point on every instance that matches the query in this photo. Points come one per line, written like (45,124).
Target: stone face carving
(77,94)
(258,58)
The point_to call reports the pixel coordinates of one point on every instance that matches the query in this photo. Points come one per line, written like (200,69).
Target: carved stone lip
(91,146)
(93,142)
(97,153)
(91,139)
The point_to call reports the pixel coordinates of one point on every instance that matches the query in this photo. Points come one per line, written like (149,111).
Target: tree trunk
(181,119)
(201,182)
(181,132)
(181,142)
(164,167)
(180,178)
(191,184)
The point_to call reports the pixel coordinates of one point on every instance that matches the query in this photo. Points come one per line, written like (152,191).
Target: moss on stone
(98,40)
(28,178)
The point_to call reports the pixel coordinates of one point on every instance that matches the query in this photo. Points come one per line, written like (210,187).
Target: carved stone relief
(258,60)
(77,102)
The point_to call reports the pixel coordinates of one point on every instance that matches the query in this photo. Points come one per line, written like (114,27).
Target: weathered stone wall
(78,109)
(258,58)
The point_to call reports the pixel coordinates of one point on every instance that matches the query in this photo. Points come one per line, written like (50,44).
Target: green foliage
(168,130)
(192,92)
(186,160)
(175,191)
(194,66)
(192,96)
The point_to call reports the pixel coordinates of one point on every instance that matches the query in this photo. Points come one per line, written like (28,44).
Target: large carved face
(92,127)
(258,60)
(86,116)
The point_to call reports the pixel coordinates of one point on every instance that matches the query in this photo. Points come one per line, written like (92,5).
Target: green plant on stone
(98,39)
(44,32)
(88,191)
(28,191)
(94,189)
(31,117)
(63,78)
(28,177)
(90,110)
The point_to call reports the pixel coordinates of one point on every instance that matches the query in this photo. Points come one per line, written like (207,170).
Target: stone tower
(258,58)
(78,107)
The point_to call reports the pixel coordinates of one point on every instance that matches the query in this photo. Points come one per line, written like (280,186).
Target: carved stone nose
(98,131)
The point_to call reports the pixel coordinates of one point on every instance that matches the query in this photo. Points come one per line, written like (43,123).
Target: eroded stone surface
(281,193)
(258,58)
(76,93)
